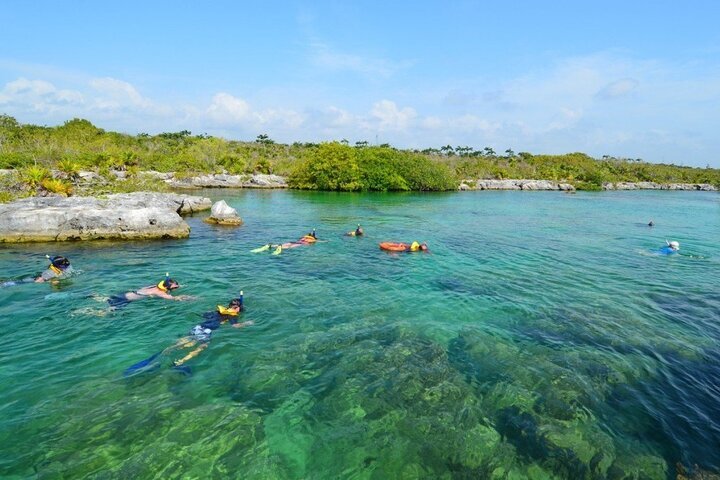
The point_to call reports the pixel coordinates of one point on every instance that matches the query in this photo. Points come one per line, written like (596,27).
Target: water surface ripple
(542,337)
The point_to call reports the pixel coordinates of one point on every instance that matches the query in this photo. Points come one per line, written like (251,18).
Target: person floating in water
(199,335)
(198,338)
(161,290)
(404,247)
(58,269)
(358,232)
(651,224)
(671,248)
(308,239)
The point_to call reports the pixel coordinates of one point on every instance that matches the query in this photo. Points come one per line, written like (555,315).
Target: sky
(633,79)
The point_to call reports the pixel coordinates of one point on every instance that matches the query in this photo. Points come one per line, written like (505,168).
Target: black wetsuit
(213,320)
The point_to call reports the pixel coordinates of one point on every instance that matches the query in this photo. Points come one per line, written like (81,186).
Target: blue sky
(633,79)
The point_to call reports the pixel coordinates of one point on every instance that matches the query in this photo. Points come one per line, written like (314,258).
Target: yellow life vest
(414,247)
(56,270)
(225,311)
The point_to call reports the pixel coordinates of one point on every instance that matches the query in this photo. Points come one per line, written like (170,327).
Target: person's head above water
(673,245)
(168,284)
(234,307)
(58,262)
(312,234)
(423,247)
(359,230)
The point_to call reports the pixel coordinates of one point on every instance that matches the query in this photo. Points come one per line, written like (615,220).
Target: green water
(542,337)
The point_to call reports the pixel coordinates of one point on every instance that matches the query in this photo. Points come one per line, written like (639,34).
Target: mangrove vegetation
(50,159)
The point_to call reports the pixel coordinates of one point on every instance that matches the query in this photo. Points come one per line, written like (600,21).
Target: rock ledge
(129,216)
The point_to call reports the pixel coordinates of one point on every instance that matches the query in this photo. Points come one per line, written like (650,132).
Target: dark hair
(169,283)
(236,302)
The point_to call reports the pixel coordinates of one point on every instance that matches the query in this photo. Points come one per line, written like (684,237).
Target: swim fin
(264,248)
(278,250)
(141,365)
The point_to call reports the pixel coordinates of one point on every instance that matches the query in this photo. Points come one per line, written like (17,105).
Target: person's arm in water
(246,323)
(156,292)
(45,276)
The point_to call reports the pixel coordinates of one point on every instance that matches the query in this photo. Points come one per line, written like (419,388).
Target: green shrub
(263,166)
(14,160)
(54,185)
(33,175)
(378,171)
(69,168)
(332,167)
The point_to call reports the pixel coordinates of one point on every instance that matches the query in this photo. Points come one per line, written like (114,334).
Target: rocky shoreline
(703,187)
(270,181)
(488,184)
(128,216)
(529,184)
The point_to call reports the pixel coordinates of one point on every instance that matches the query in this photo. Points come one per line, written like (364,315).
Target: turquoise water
(540,338)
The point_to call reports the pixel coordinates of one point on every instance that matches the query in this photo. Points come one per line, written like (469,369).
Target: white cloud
(390,117)
(230,111)
(38,96)
(226,108)
(114,94)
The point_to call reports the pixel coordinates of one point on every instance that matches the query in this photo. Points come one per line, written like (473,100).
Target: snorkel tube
(165,284)
(228,310)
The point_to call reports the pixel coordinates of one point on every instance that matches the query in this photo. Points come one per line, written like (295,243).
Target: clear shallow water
(542,338)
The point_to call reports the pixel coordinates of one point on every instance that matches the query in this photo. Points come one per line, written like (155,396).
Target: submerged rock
(131,216)
(223,214)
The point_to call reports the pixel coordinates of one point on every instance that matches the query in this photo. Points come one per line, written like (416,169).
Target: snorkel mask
(58,263)
(234,303)
(168,283)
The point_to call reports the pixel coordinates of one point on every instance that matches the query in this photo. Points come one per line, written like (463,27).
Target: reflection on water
(537,340)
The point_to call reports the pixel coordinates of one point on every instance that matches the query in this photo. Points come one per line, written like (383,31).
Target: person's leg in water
(192,354)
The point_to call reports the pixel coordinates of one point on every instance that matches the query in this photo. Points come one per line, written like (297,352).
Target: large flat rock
(132,216)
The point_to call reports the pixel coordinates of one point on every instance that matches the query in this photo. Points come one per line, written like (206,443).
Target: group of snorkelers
(307,239)
(198,337)
(310,238)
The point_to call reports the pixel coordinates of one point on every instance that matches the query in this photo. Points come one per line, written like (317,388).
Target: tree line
(34,151)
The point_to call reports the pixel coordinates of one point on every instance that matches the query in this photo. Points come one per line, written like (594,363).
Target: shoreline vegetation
(80,159)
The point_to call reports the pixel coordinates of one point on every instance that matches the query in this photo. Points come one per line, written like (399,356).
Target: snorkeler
(199,336)
(308,239)
(58,269)
(404,247)
(671,248)
(161,290)
(358,232)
